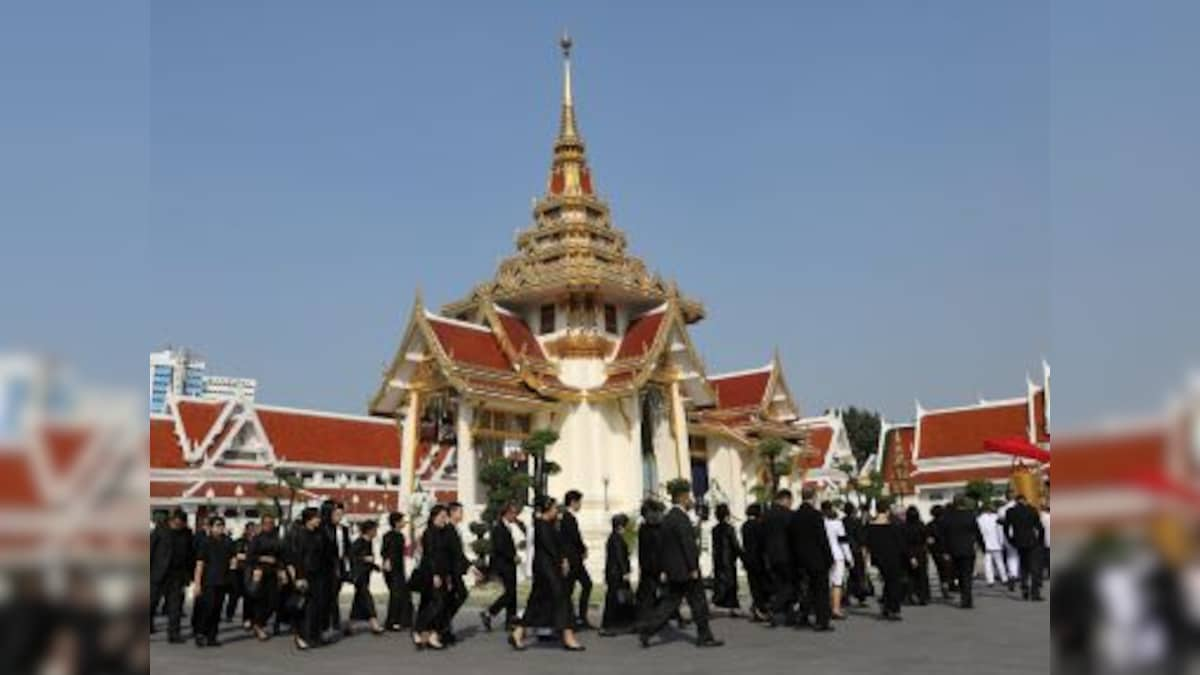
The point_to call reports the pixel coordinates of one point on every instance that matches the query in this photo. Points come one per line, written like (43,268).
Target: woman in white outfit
(993,545)
(835,529)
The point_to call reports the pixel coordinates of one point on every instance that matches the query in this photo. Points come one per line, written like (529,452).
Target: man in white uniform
(993,545)
(835,529)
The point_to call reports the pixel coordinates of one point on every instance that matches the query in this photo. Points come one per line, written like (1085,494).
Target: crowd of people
(804,567)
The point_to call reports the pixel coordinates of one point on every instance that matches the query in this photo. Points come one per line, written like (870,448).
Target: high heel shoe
(574,648)
(301,644)
(435,646)
(512,642)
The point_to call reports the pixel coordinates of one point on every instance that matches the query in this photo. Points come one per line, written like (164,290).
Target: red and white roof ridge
(981,405)
(324,413)
(457,322)
(739,373)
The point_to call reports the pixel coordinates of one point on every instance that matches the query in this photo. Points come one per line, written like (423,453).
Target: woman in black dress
(362,564)
(400,608)
(886,546)
(312,573)
(725,554)
(916,539)
(549,604)
(620,610)
(264,561)
(432,579)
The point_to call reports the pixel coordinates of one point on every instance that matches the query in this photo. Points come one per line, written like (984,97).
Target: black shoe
(1012,586)
(644,640)
(1038,598)
(449,638)
(176,640)
(967,605)
(201,642)
(709,641)
(487,620)
(574,648)
(823,629)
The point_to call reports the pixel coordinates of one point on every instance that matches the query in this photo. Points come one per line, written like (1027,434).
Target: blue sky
(909,201)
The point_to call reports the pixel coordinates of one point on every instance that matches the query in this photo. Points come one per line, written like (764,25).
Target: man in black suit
(679,557)
(197,541)
(778,553)
(1024,530)
(504,566)
(170,567)
(811,554)
(576,552)
(459,566)
(961,532)
(754,559)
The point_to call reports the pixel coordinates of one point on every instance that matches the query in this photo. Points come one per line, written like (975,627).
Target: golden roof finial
(567,127)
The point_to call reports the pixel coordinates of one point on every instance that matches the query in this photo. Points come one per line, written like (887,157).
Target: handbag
(253,583)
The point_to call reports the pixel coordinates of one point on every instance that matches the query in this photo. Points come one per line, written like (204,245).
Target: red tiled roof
(1041,426)
(962,475)
(819,439)
(198,418)
(165,452)
(163,489)
(64,446)
(250,491)
(18,488)
(473,346)
(520,336)
(640,334)
(737,391)
(887,467)
(1108,459)
(318,439)
(962,432)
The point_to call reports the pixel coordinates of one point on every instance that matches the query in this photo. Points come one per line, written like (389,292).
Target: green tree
(535,448)
(775,457)
(982,491)
(863,427)
(507,481)
(287,481)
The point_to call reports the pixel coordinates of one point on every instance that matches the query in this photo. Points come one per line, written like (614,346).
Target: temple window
(610,319)
(546,325)
(589,313)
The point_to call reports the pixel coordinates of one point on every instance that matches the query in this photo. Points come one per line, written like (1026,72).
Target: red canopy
(1156,482)
(1017,447)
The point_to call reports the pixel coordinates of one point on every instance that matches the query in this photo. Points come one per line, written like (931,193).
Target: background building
(180,372)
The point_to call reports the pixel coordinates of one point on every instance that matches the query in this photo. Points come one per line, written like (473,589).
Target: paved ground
(1002,635)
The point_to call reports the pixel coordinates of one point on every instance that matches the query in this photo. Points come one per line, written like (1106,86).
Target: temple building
(574,334)
(930,460)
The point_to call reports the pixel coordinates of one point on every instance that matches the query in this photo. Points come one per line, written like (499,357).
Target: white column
(683,463)
(468,473)
(408,446)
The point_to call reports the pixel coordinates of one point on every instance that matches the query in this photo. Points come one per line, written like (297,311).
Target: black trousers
(783,593)
(964,572)
(267,602)
(674,593)
(816,584)
(170,592)
(456,597)
(1031,569)
(893,588)
(210,601)
(918,580)
(362,608)
(234,593)
(431,612)
(331,606)
(579,575)
(508,599)
(620,612)
(316,611)
(400,607)
(760,595)
(856,586)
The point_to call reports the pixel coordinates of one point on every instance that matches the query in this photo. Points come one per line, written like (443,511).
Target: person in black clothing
(237,592)
(649,535)
(778,554)
(937,549)
(311,566)
(886,548)
(214,560)
(812,556)
(504,567)
(171,561)
(726,551)
(753,559)
(576,552)
(198,540)
(457,592)
(339,553)
(620,610)
(1024,530)
(961,532)
(858,587)
(432,580)
(549,603)
(916,541)
(400,608)
(362,561)
(680,557)
(264,563)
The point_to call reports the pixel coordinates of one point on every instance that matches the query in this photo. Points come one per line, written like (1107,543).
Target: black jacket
(362,561)
(752,546)
(726,550)
(573,546)
(777,551)
(1023,526)
(960,532)
(649,547)
(392,548)
(616,559)
(458,560)
(160,553)
(808,539)
(680,556)
(504,550)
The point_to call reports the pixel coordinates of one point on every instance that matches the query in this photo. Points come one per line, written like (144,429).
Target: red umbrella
(1017,447)
(1156,482)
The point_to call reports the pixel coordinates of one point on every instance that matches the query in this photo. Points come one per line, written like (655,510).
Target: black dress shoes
(709,641)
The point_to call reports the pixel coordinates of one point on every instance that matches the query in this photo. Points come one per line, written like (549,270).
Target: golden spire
(567,128)
(569,175)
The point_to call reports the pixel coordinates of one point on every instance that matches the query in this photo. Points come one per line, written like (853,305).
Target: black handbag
(253,582)
(295,603)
